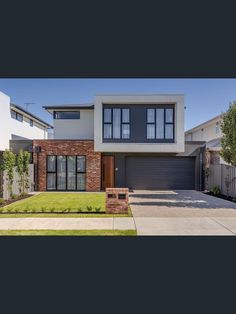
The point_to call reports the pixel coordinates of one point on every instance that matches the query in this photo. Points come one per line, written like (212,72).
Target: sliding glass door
(71,173)
(66,173)
(61,173)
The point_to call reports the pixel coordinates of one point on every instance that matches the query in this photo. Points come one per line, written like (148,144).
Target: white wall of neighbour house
(5,119)
(23,130)
(13,129)
(176,147)
(82,128)
(206,132)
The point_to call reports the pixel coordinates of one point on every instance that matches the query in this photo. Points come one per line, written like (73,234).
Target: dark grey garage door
(160,173)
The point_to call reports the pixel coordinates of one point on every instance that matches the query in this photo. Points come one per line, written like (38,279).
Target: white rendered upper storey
(73,122)
(124,123)
(18,124)
(206,131)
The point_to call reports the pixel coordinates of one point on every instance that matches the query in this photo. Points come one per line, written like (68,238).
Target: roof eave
(40,121)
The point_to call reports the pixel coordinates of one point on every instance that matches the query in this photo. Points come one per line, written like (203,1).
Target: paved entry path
(182,213)
(113,223)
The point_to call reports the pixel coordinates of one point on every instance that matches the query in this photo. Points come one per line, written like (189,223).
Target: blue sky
(204,98)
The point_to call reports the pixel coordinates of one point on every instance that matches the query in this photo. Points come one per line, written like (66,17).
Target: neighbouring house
(18,124)
(210,133)
(18,127)
(216,171)
(133,141)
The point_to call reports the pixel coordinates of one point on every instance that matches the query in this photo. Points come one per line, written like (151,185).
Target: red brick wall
(70,148)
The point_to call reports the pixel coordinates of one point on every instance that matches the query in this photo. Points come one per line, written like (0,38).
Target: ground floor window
(66,173)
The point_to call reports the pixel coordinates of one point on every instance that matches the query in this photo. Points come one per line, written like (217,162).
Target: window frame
(76,172)
(151,123)
(50,171)
(62,111)
(121,138)
(17,116)
(164,139)
(31,122)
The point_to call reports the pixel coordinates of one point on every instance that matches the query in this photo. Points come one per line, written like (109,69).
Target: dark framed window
(81,173)
(66,173)
(160,124)
(16,115)
(66,115)
(31,122)
(51,173)
(116,123)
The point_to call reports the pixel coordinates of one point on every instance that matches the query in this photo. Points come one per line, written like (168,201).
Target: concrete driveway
(182,212)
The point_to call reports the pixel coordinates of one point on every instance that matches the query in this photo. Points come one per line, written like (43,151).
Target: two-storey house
(134,141)
(210,134)
(18,124)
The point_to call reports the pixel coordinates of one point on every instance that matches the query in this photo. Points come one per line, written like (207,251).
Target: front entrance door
(107,172)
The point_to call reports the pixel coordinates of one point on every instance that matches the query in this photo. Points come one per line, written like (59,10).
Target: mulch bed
(51,212)
(13,200)
(227,198)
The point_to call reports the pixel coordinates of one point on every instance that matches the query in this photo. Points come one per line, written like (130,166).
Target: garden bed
(227,198)
(13,200)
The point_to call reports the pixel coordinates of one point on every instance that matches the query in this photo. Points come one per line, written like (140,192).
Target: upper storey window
(160,123)
(116,123)
(66,114)
(16,115)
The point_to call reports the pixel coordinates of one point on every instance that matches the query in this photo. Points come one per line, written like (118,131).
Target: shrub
(228,143)
(1,201)
(89,208)
(97,209)
(215,190)
(7,164)
(22,163)
(23,194)
(14,196)
(43,209)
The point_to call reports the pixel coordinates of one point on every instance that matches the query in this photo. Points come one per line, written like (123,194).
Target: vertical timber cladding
(155,172)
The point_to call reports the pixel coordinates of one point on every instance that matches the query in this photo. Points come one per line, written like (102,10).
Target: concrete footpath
(113,223)
(144,225)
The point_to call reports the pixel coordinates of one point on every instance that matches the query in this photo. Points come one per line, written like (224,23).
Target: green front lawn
(68,232)
(59,203)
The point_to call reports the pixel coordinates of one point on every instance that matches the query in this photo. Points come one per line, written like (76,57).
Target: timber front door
(107,172)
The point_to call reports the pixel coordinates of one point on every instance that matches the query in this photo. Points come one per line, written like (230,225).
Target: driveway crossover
(182,213)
